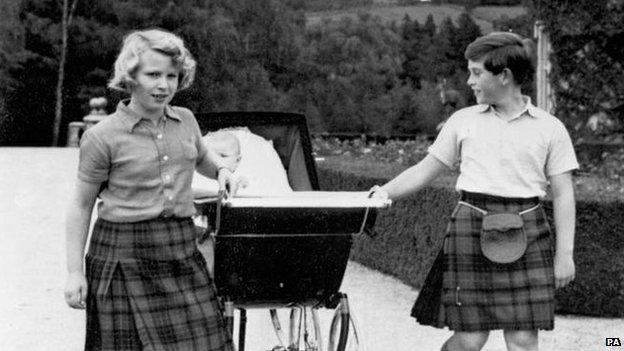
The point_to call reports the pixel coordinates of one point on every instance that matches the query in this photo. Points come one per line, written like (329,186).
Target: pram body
(271,257)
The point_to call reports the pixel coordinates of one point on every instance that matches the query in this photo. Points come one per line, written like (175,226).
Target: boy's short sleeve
(561,156)
(446,145)
(94,159)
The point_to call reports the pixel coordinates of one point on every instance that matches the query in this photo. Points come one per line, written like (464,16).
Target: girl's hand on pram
(230,181)
(76,290)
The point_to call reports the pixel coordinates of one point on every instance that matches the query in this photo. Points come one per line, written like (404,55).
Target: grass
(587,187)
(483,15)
(377,169)
(491,13)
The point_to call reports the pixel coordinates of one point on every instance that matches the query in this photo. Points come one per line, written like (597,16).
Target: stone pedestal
(96,114)
(73,133)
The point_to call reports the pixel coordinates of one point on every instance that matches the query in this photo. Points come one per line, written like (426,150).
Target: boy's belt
(468,196)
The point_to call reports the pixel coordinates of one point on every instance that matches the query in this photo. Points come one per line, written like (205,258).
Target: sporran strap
(484,212)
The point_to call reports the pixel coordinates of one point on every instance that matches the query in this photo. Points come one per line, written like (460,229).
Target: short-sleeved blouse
(147,169)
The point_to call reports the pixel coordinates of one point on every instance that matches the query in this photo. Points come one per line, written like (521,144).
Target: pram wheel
(344,326)
(304,333)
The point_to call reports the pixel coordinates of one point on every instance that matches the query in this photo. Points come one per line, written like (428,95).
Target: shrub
(410,233)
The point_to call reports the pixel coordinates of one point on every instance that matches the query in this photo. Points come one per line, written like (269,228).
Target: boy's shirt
(505,158)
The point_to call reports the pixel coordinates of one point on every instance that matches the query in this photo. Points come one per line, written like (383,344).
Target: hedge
(409,234)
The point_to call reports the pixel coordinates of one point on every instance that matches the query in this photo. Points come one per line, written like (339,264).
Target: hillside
(483,15)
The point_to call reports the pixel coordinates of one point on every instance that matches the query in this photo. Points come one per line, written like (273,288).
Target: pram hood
(290,136)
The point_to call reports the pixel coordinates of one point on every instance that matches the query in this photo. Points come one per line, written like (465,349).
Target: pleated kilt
(149,289)
(464,291)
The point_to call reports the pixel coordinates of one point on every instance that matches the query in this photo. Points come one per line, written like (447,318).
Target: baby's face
(230,154)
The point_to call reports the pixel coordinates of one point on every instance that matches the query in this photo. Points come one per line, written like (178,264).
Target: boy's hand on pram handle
(230,181)
(376,192)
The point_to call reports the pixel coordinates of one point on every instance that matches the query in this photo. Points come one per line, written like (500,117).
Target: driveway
(35,189)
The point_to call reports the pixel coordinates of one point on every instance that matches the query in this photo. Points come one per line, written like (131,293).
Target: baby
(227,146)
(251,157)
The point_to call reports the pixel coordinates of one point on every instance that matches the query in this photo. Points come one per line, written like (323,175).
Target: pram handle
(221,195)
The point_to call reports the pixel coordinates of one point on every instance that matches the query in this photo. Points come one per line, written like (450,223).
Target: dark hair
(500,50)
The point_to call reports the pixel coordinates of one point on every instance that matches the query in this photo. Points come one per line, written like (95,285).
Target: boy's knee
(521,339)
(467,341)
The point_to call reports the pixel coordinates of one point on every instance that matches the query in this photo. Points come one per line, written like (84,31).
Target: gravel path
(35,188)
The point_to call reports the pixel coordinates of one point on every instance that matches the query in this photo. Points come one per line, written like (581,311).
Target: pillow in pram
(260,165)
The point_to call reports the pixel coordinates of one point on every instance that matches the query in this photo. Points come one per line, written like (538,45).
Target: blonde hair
(224,139)
(138,42)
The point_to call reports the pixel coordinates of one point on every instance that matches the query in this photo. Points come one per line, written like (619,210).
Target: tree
(467,31)
(354,76)
(68,15)
(430,27)
(587,73)
(412,46)
(450,58)
(12,57)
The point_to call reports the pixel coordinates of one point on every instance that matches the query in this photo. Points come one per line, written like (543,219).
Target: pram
(271,255)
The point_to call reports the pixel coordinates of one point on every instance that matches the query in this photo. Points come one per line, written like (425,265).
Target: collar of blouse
(131,118)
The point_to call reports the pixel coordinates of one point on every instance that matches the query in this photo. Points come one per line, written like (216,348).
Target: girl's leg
(466,341)
(521,340)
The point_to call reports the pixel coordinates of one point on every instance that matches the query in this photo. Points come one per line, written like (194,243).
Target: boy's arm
(414,178)
(565,219)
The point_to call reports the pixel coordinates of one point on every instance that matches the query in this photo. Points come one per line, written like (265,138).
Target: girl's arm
(414,178)
(212,166)
(76,230)
(565,220)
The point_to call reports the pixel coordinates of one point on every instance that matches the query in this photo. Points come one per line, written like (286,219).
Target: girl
(145,285)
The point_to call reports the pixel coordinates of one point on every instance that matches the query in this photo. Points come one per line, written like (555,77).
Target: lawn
(372,169)
(587,186)
(491,13)
(483,15)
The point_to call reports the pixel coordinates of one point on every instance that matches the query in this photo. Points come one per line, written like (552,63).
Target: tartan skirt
(149,289)
(464,291)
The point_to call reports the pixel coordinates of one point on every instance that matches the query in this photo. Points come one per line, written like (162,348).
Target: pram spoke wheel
(304,332)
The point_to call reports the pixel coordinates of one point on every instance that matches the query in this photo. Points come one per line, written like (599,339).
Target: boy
(507,151)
